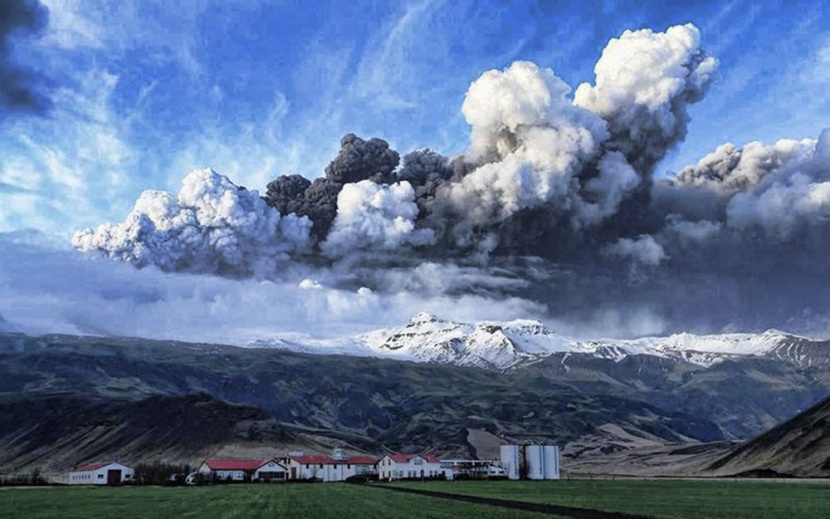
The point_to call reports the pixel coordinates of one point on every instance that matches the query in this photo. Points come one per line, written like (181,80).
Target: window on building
(100,476)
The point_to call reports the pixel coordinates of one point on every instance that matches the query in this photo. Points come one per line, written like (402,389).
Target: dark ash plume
(363,160)
(21,89)
(357,160)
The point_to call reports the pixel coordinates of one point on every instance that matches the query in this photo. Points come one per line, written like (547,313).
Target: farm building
(471,469)
(405,466)
(328,469)
(363,465)
(530,461)
(243,470)
(110,473)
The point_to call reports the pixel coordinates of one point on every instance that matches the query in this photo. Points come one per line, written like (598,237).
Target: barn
(109,473)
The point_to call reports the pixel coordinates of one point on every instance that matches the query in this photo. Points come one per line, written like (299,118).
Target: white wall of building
(100,475)
(416,467)
(535,462)
(510,461)
(550,456)
(270,470)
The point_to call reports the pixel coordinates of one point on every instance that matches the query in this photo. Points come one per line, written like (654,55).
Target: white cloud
(375,217)
(644,250)
(77,162)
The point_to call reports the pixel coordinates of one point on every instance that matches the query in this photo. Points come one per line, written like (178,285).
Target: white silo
(535,462)
(550,455)
(510,461)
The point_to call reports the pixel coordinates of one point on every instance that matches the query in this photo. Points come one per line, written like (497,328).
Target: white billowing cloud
(644,81)
(212,226)
(531,139)
(375,217)
(510,110)
(782,208)
(730,169)
(780,190)
(644,250)
(616,179)
(582,158)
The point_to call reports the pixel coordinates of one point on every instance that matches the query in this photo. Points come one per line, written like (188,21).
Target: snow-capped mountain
(507,345)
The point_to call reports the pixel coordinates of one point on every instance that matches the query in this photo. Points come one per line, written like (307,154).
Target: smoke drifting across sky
(555,204)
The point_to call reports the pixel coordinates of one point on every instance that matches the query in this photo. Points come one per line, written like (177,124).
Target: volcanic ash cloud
(211,226)
(555,200)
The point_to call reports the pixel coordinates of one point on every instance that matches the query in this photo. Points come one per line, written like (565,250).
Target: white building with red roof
(243,470)
(409,466)
(108,473)
(328,469)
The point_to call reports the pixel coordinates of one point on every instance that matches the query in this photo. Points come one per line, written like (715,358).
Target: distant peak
(423,318)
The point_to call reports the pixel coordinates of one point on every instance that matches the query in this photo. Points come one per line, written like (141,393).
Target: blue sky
(143,92)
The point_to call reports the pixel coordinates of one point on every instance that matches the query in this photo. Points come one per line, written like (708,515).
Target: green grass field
(750,499)
(339,501)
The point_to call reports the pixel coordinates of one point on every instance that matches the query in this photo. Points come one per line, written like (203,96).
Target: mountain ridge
(587,403)
(503,346)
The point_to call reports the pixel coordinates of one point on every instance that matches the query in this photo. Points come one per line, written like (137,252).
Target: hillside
(56,432)
(590,404)
(798,447)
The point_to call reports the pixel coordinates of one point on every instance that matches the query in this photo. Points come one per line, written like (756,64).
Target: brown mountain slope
(798,447)
(58,432)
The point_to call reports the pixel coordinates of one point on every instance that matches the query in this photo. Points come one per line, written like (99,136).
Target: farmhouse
(110,473)
(328,469)
(405,466)
(243,470)
(301,466)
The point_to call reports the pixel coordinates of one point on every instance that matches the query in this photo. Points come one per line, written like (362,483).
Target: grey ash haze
(556,205)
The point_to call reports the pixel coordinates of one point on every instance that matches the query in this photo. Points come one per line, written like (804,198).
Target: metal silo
(550,455)
(510,461)
(535,462)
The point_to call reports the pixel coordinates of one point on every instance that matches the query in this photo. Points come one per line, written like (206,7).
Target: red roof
(404,458)
(362,460)
(315,460)
(235,464)
(91,466)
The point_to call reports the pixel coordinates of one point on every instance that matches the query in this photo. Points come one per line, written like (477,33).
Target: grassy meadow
(336,500)
(687,499)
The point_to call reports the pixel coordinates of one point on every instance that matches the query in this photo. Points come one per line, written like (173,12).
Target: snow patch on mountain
(507,345)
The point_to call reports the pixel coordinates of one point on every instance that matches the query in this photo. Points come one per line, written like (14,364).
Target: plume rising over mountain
(557,202)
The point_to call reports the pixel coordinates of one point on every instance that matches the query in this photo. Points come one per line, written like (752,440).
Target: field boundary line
(569,511)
